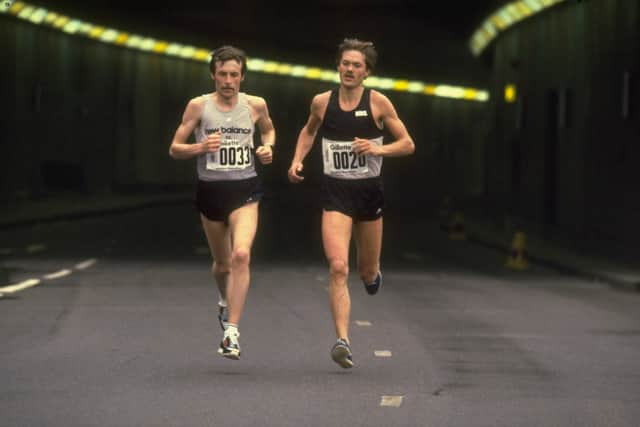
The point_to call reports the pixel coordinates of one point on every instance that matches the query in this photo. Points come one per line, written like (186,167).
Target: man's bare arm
(402,145)
(180,148)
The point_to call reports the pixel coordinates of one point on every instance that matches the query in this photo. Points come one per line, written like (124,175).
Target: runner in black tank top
(350,120)
(352,182)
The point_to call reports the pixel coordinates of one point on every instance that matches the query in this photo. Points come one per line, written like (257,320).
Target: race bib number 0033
(340,157)
(232,155)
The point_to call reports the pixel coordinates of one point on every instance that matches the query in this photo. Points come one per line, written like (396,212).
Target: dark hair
(367,49)
(228,53)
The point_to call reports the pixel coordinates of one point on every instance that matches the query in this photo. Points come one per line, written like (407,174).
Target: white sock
(231,329)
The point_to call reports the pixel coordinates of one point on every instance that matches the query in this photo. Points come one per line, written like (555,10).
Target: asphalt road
(121,330)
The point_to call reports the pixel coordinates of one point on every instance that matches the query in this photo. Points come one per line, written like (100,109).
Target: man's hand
(364,146)
(265,154)
(294,170)
(212,143)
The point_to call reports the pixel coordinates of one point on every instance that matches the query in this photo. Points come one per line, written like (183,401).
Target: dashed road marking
(393,401)
(25,284)
(85,264)
(363,323)
(382,353)
(57,274)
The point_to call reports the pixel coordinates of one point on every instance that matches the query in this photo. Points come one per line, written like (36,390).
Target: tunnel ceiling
(411,35)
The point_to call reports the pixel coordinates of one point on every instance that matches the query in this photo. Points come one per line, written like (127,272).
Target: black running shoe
(341,354)
(373,288)
(223,316)
(230,347)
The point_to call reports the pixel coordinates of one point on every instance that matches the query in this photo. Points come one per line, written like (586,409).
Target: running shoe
(230,347)
(373,288)
(341,354)
(223,316)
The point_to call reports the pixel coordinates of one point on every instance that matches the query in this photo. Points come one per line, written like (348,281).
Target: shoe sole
(372,290)
(340,356)
(233,354)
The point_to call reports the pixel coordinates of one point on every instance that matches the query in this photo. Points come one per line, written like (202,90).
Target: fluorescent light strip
(39,16)
(506,17)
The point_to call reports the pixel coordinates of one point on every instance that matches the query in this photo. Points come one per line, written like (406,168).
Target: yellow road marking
(25,284)
(57,274)
(393,401)
(86,264)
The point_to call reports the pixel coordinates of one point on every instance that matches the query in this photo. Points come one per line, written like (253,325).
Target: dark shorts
(361,199)
(217,199)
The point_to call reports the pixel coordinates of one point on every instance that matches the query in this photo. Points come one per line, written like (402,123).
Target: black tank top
(339,128)
(342,125)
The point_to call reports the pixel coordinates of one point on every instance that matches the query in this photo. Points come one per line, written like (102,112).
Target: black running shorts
(361,199)
(217,199)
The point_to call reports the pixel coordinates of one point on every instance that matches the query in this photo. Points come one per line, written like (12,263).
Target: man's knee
(338,268)
(240,257)
(221,268)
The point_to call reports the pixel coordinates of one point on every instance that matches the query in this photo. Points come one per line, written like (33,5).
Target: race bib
(340,157)
(232,155)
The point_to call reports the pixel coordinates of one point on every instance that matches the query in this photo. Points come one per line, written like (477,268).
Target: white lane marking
(6,251)
(19,286)
(363,323)
(86,264)
(35,248)
(57,274)
(320,278)
(393,401)
(382,353)
(25,284)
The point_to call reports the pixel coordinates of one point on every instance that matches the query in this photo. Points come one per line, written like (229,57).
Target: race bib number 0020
(232,155)
(340,157)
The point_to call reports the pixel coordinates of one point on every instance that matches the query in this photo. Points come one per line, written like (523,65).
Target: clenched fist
(212,143)
(265,154)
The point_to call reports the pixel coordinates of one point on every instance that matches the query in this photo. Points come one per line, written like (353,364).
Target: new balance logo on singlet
(233,129)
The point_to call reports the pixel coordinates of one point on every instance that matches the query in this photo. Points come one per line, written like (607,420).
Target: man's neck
(350,95)
(224,102)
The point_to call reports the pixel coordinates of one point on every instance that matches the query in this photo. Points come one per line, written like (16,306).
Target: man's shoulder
(198,101)
(255,100)
(376,96)
(322,95)
(321,98)
(380,100)
(196,104)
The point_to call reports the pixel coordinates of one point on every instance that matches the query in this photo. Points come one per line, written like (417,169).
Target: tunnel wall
(563,156)
(87,117)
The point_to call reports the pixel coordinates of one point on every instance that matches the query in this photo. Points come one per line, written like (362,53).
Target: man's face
(227,78)
(352,68)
